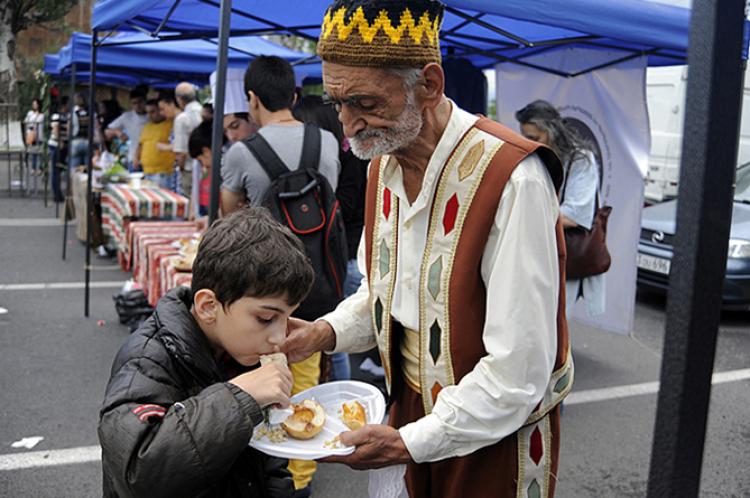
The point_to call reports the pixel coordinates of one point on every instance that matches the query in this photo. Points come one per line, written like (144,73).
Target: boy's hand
(268,385)
(305,338)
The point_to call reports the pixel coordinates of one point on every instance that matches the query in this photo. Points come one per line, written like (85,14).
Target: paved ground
(55,365)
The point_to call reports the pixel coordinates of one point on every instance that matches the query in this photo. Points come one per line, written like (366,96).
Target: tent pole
(704,210)
(69,175)
(89,181)
(218,125)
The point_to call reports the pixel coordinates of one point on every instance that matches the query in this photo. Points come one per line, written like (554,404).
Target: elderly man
(463,258)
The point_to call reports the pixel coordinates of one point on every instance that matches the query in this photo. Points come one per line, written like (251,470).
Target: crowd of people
(441,247)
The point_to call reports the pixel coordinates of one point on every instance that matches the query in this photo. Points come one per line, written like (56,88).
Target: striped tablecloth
(157,253)
(139,234)
(170,277)
(121,203)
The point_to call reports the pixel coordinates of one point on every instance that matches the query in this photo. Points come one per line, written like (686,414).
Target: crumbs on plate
(274,434)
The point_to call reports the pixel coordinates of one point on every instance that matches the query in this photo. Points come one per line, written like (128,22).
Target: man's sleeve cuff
(426,439)
(338,320)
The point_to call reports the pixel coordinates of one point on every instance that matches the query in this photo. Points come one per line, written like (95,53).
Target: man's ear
(206,305)
(431,86)
(252,100)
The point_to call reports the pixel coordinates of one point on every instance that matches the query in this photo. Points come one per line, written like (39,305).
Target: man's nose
(351,121)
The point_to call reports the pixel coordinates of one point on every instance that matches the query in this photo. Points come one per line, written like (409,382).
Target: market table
(170,277)
(122,203)
(139,234)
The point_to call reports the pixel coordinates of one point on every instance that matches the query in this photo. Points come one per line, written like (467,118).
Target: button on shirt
(520,271)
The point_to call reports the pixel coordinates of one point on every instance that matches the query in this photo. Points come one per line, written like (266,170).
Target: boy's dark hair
(200,137)
(153,102)
(271,79)
(249,254)
(242,115)
(168,96)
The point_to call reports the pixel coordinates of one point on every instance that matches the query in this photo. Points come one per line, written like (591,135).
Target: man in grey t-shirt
(270,85)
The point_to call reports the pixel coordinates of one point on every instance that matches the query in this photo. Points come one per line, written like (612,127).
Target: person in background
(184,124)
(542,123)
(199,146)
(108,111)
(34,126)
(170,110)
(79,145)
(157,165)
(350,193)
(207,112)
(128,125)
(57,143)
(238,126)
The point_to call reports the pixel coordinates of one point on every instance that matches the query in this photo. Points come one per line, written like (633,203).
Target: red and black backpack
(304,201)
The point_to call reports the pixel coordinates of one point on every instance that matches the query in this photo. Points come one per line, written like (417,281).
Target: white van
(665,93)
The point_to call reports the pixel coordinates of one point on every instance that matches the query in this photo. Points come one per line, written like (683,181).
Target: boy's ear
(206,305)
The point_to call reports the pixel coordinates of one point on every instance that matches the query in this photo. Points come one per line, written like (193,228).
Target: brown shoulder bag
(587,253)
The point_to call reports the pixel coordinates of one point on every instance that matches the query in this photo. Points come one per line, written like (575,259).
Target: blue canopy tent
(485,31)
(103,77)
(166,62)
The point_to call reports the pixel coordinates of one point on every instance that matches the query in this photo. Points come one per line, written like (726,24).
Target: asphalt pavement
(55,365)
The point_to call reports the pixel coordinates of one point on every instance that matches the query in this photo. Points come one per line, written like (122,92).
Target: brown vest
(467,197)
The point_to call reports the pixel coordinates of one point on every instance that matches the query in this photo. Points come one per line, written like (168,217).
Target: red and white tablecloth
(169,277)
(121,203)
(140,234)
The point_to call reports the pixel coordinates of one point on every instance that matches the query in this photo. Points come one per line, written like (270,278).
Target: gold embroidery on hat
(425,27)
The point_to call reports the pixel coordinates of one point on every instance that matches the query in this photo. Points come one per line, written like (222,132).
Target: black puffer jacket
(171,426)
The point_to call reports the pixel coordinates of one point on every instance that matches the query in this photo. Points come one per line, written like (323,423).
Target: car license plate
(654,264)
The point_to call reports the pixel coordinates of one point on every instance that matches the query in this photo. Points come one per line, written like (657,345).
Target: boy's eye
(266,320)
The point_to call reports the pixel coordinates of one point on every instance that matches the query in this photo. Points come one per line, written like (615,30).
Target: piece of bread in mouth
(265,359)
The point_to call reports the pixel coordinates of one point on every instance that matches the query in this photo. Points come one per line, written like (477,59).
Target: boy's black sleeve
(154,446)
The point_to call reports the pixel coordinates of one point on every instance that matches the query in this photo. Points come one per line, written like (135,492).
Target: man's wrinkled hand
(306,338)
(377,446)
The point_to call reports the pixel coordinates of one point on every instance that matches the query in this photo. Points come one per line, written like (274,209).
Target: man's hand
(305,338)
(268,385)
(377,446)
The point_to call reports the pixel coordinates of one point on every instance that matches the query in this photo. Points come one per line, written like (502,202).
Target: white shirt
(35,121)
(520,272)
(184,124)
(579,205)
(131,123)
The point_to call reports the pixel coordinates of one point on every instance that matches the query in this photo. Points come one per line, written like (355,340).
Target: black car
(657,238)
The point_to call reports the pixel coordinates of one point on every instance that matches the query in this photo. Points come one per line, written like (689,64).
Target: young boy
(179,411)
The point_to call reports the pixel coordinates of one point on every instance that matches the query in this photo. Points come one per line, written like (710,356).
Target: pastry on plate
(306,421)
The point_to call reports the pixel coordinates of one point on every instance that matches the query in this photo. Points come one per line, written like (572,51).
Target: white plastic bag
(388,482)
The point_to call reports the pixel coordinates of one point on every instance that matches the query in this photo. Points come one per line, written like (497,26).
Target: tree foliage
(22,14)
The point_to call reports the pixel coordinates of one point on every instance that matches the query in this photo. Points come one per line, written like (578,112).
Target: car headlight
(739,248)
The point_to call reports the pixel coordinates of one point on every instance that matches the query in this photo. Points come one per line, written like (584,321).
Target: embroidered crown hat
(381,33)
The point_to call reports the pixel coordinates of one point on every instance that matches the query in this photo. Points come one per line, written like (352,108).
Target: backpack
(304,201)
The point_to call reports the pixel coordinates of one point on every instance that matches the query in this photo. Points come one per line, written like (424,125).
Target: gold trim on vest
(382,277)
(457,185)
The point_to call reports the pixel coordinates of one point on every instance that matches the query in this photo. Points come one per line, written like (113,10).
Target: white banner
(609,105)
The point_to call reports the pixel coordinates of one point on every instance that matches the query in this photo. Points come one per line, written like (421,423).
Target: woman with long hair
(541,122)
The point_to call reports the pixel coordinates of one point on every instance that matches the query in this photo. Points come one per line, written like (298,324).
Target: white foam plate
(330,396)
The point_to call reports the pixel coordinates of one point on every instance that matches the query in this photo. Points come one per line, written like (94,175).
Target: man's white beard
(385,141)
